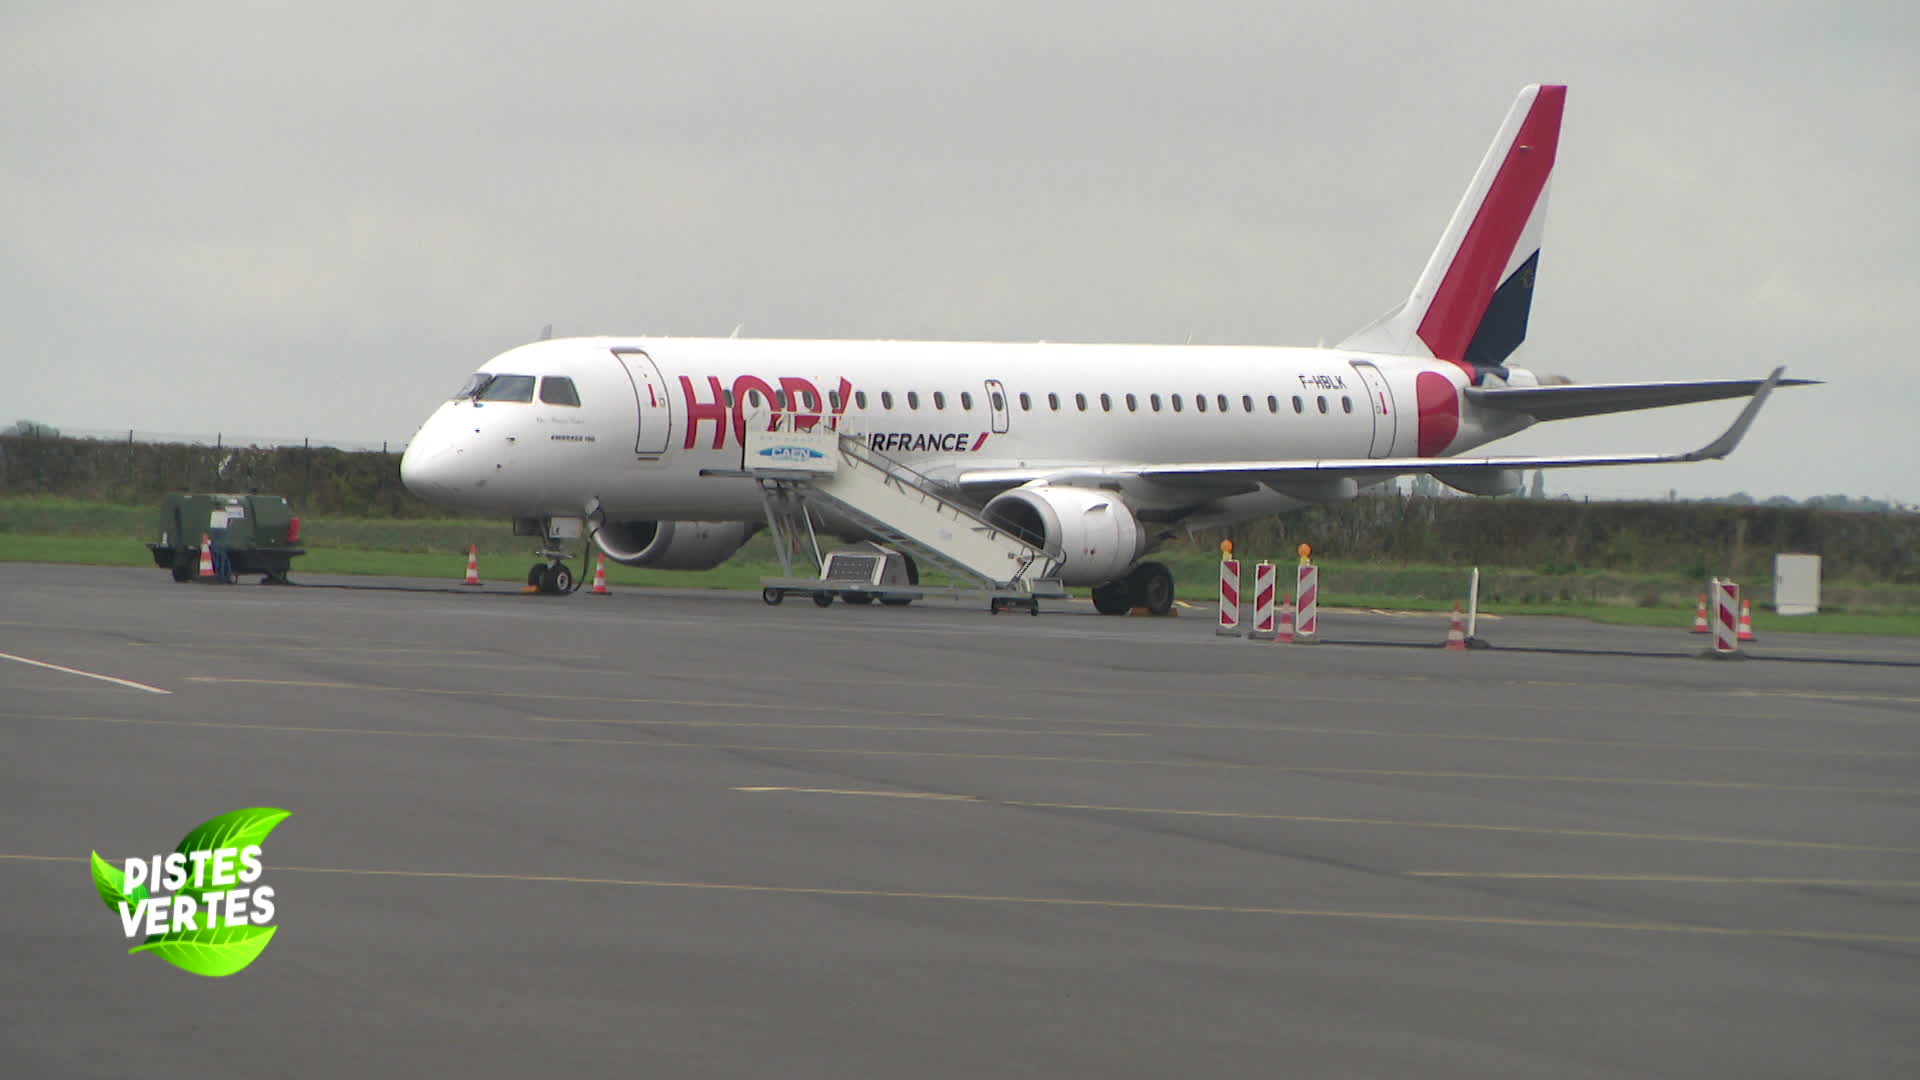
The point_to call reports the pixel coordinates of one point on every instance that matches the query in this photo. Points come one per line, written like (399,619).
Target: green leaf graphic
(222,950)
(235,829)
(110,883)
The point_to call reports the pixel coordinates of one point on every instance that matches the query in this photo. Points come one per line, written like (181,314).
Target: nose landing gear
(551,575)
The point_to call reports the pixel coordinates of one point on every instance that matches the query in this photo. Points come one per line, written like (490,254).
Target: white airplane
(622,434)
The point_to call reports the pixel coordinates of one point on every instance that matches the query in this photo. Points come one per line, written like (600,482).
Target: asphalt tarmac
(678,833)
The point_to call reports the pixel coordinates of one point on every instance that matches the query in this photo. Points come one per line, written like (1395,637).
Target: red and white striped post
(1726,619)
(1229,624)
(1262,601)
(1306,623)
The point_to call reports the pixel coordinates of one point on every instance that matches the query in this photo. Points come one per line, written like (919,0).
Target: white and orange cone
(1456,632)
(206,556)
(600,577)
(473,565)
(1746,621)
(1284,635)
(1700,617)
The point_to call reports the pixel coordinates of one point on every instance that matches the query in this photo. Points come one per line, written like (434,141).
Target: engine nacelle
(1481,481)
(1095,533)
(671,545)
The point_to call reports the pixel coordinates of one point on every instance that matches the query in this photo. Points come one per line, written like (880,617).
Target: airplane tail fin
(1471,302)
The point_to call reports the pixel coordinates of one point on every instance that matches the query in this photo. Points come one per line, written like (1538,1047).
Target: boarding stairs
(801,469)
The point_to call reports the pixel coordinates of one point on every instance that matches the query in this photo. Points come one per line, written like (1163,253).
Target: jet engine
(1092,530)
(671,545)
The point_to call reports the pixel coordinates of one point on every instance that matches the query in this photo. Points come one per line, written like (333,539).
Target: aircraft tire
(1151,587)
(1113,598)
(556,579)
(537,575)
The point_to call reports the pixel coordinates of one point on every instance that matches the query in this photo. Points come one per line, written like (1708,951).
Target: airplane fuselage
(655,414)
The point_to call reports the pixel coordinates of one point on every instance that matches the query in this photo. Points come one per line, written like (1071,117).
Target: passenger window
(1222,399)
(780,399)
(1176,403)
(886,399)
(913,399)
(966,400)
(1153,400)
(1346,403)
(558,390)
(939,400)
(1273,404)
(1200,402)
(1026,403)
(1297,406)
(1323,404)
(753,398)
(1106,402)
(726,396)
(999,402)
(860,400)
(508,388)
(1133,403)
(1053,402)
(833,400)
(1246,402)
(1080,401)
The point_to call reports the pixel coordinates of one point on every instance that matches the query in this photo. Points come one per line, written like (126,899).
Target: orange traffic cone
(206,556)
(473,565)
(1285,633)
(1700,617)
(600,577)
(1746,622)
(1456,632)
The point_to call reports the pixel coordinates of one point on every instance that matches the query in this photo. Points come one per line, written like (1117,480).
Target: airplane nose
(427,468)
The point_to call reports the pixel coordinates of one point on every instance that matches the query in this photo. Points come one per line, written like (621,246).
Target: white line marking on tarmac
(85,674)
(1389,823)
(1675,879)
(1646,927)
(969,755)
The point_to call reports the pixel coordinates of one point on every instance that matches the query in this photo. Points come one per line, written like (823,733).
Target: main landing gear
(552,577)
(1149,586)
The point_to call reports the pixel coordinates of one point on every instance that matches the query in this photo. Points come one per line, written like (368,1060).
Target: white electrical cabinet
(1796,584)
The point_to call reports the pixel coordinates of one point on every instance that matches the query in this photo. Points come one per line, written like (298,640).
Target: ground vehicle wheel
(557,579)
(1151,585)
(823,599)
(1113,598)
(773,596)
(858,598)
(537,575)
(913,578)
(182,566)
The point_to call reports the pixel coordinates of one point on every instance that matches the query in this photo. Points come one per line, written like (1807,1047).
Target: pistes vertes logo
(216,916)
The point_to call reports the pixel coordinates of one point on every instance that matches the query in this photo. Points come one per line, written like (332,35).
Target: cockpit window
(473,385)
(558,390)
(507,388)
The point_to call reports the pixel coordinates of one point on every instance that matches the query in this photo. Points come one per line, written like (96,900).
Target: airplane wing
(1595,399)
(1215,474)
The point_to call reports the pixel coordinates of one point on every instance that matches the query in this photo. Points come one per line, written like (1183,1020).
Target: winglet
(1731,437)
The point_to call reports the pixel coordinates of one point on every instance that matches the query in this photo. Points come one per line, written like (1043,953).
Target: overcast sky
(317,219)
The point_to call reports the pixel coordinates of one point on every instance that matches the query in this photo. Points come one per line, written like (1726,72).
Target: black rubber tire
(1151,584)
(823,599)
(913,578)
(182,567)
(1113,598)
(537,576)
(557,579)
(772,597)
(858,597)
